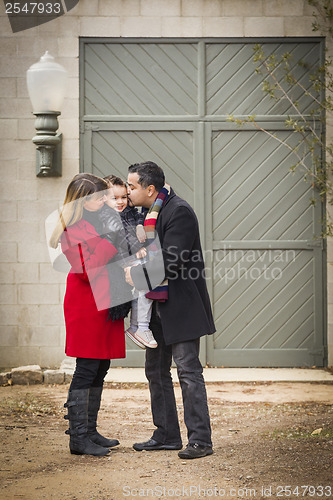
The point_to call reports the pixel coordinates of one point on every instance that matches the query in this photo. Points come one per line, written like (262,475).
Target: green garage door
(168,101)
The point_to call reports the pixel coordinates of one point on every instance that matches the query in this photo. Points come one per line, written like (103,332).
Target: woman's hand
(128,277)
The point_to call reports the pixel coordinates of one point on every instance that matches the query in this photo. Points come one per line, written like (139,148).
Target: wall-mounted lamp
(46,82)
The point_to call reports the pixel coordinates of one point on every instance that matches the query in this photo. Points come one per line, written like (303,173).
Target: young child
(128,238)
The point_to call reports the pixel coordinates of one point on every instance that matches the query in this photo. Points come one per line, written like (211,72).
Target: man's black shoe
(151,444)
(195,451)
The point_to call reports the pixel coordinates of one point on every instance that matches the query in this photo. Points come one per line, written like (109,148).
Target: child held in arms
(127,234)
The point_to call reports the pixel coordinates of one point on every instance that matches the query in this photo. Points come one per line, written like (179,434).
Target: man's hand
(141,233)
(141,253)
(128,277)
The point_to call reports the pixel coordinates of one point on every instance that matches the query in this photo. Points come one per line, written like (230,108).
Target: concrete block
(68,47)
(26,129)
(39,336)
(106,8)
(202,8)
(17,356)
(302,27)
(244,8)
(8,294)
(8,150)
(8,252)
(8,46)
(28,315)
(5,28)
(87,8)
(70,126)
(38,294)
(330,310)
(263,26)
(8,87)
(26,170)
(18,190)
(32,252)
(103,26)
(26,273)
(15,66)
(49,275)
(34,48)
(15,108)
(330,272)
(34,210)
(53,191)
(62,289)
(68,25)
(182,26)
(9,336)
(54,377)
(52,356)
(19,231)
(223,26)
(8,173)
(70,148)
(127,7)
(8,128)
(141,27)
(160,8)
(70,167)
(72,92)
(9,357)
(330,250)
(19,273)
(8,211)
(27,375)
(283,8)
(5,378)
(71,108)
(308,9)
(7,273)
(51,315)
(72,66)
(22,91)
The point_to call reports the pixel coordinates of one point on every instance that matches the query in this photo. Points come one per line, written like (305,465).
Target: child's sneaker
(130,332)
(146,338)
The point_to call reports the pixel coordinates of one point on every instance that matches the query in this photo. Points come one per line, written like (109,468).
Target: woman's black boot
(79,442)
(95,394)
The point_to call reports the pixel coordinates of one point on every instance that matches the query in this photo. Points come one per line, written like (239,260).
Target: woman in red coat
(90,336)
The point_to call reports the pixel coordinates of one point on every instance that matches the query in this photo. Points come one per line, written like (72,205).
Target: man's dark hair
(149,174)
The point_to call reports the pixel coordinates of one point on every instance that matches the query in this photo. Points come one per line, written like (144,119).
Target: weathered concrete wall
(32,328)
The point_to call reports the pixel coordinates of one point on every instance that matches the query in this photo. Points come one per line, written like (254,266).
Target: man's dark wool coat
(187,314)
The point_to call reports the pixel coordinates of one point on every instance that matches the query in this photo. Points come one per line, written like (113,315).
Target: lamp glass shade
(46,82)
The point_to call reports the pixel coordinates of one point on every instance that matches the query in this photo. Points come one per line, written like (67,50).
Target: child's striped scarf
(159,293)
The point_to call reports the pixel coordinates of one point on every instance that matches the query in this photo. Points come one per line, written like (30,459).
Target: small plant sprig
(313,154)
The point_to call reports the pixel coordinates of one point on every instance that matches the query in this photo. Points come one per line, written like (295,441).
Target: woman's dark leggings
(89,373)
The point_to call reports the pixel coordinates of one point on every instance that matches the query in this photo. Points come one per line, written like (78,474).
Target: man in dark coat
(178,323)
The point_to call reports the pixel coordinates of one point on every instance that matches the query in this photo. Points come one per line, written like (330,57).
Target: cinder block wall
(32,327)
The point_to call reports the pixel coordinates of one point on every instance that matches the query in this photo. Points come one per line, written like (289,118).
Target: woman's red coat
(88,332)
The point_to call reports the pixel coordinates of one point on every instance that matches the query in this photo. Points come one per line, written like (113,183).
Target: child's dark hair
(113,180)
(149,174)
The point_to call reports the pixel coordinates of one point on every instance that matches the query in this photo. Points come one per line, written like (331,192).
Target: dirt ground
(267,443)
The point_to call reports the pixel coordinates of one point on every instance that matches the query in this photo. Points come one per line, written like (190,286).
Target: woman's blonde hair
(81,186)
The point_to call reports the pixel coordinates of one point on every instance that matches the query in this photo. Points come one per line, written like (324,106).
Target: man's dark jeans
(163,403)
